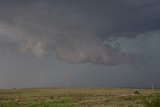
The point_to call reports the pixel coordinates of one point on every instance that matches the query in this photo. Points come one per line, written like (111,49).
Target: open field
(79,97)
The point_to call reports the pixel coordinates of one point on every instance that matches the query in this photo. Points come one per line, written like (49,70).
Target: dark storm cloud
(35,33)
(74,31)
(61,28)
(112,15)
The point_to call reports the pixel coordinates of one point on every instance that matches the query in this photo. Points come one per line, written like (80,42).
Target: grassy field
(79,97)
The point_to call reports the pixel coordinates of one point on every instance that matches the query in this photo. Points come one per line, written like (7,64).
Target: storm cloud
(88,35)
(64,31)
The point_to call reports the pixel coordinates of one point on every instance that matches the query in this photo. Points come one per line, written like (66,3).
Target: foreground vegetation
(79,97)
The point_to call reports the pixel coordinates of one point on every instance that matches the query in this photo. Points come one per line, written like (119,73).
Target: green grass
(46,103)
(78,97)
(152,100)
(58,103)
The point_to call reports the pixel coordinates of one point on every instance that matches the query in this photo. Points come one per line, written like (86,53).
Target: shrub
(152,100)
(136,92)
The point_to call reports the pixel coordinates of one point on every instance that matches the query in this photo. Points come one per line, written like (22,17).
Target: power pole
(152,87)
(67,85)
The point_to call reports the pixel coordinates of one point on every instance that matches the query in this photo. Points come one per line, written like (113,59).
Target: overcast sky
(105,43)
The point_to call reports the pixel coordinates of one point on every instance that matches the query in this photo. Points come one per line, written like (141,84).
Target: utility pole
(152,87)
(67,85)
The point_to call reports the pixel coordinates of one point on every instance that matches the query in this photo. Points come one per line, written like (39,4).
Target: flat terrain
(78,97)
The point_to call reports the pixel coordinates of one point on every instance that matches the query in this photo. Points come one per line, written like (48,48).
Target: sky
(101,43)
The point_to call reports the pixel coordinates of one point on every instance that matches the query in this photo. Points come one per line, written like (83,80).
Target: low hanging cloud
(77,49)
(54,30)
(81,49)
(35,47)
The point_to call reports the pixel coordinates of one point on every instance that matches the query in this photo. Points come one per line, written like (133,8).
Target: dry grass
(81,97)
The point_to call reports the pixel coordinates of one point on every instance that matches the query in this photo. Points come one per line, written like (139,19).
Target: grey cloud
(67,30)
(38,37)
(66,33)
(145,48)
(108,16)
